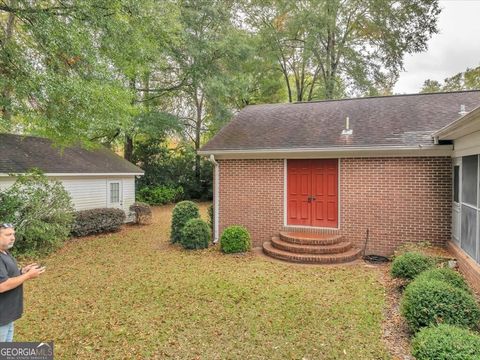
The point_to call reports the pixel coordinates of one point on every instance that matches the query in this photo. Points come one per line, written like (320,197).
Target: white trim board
(78,174)
(333,152)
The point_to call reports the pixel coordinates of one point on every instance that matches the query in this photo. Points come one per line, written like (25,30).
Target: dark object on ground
(376,258)
(97,221)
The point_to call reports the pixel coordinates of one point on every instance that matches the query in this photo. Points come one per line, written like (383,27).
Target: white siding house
(94,179)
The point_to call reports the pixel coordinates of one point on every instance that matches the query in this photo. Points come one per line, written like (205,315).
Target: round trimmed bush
(445,274)
(195,234)
(431,302)
(235,239)
(409,265)
(446,342)
(182,212)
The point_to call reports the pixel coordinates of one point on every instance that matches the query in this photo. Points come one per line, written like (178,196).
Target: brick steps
(310,239)
(311,248)
(340,247)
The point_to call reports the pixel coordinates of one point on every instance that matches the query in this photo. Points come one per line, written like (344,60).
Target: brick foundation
(467,266)
(397,199)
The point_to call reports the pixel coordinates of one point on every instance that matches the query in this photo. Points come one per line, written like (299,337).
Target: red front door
(312,192)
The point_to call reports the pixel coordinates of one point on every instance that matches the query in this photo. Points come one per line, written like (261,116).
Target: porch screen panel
(469,179)
(456,185)
(469,231)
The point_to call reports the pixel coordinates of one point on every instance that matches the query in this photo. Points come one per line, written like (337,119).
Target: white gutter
(336,151)
(216,200)
(79,174)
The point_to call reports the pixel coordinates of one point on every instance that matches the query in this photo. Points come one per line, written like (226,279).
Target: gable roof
(19,153)
(377,122)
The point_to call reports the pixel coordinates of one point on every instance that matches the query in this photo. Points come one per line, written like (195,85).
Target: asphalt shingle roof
(402,120)
(21,153)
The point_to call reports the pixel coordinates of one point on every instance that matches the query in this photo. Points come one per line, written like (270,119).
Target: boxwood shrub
(235,239)
(95,221)
(195,234)
(431,302)
(445,274)
(182,212)
(409,265)
(446,342)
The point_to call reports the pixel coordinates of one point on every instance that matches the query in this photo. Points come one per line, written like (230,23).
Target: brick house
(312,181)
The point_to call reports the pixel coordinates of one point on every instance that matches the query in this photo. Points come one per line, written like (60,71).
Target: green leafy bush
(159,195)
(445,274)
(95,221)
(41,211)
(143,213)
(210,216)
(182,212)
(446,342)
(195,234)
(235,239)
(430,302)
(409,265)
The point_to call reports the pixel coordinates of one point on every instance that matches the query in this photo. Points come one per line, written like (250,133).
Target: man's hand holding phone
(33,270)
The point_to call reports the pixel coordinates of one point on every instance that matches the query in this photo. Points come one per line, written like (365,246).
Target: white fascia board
(464,125)
(333,152)
(82,174)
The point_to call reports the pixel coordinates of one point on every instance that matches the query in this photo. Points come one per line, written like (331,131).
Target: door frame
(457,206)
(120,193)
(285,195)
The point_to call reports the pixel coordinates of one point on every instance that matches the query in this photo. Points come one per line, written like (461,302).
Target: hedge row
(94,221)
(439,309)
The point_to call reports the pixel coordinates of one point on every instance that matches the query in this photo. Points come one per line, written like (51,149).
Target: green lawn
(133,295)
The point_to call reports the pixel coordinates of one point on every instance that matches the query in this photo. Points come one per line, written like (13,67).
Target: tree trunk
(128,144)
(198,130)
(6,113)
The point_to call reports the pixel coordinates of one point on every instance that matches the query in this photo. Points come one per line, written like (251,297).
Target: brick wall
(251,194)
(397,199)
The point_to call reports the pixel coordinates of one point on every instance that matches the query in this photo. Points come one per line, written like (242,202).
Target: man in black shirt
(11,280)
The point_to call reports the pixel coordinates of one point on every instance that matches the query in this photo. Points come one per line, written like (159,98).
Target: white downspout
(216,200)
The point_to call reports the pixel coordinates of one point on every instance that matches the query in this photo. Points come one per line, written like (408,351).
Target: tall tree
(208,46)
(358,44)
(54,80)
(71,70)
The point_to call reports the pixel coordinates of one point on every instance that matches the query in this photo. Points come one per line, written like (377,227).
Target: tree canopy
(159,78)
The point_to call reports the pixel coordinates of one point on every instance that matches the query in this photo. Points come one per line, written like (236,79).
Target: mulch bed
(395,331)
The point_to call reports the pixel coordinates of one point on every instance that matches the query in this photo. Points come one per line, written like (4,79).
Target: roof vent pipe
(347,130)
(462,110)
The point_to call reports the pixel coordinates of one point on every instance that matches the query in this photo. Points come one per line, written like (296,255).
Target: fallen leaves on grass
(134,295)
